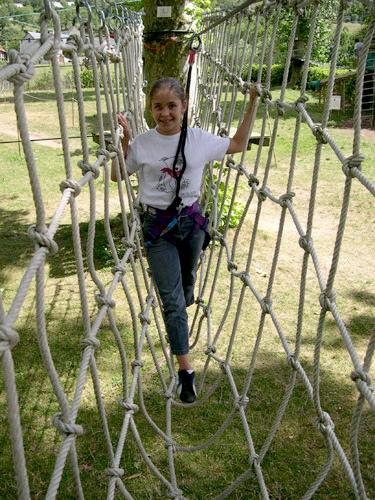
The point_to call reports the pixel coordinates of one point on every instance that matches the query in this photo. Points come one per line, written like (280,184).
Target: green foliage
(323,32)
(277,72)
(322,72)
(356,12)
(346,55)
(87,77)
(224,199)
(11,35)
(42,81)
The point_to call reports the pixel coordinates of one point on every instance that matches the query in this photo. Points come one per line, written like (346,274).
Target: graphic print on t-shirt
(167,178)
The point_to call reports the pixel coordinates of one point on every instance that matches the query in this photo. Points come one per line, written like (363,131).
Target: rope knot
(71,184)
(263,194)
(301,100)
(232,266)
(114,471)
(8,337)
(90,341)
(325,423)
(43,239)
(285,198)
(265,95)
(360,375)
(118,268)
(128,244)
(87,167)
(280,106)
(240,169)
(246,86)
(253,180)
(211,349)
(106,153)
(292,361)
(230,163)
(144,319)
(129,406)
(206,311)
(169,443)
(168,394)
(255,460)
(326,298)
(217,112)
(135,363)
(266,305)
(102,300)
(245,278)
(352,162)
(75,40)
(241,402)
(305,243)
(66,428)
(153,301)
(26,69)
(319,133)
(177,494)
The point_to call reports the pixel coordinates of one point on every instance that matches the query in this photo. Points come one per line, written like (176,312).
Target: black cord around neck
(174,206)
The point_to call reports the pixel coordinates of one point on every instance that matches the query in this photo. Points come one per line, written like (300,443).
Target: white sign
(165,11)
(335,102)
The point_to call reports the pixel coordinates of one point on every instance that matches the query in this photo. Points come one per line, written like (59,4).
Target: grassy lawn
(298,451)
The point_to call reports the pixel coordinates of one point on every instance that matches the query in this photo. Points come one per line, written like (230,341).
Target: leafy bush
(237,209)
(322,73)
(87,78)
(43,81)
(277,72)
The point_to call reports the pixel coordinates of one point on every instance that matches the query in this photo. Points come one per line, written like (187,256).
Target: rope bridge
(249,315)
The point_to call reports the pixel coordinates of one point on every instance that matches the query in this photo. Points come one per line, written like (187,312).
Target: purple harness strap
(166,220)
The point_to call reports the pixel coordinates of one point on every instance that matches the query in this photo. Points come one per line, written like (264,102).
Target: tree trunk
(298,58)
(164,53)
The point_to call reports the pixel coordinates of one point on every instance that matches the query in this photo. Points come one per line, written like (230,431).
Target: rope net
(120,396)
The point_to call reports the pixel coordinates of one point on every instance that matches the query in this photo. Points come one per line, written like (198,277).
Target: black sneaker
(186,388)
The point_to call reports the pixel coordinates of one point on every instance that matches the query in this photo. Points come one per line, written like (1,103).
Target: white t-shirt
(151,155)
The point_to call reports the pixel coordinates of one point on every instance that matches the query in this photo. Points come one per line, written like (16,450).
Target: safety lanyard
(176,203)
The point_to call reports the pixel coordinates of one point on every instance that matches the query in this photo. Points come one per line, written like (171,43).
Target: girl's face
(167,110)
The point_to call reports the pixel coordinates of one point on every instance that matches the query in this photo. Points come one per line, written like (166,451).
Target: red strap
(191,57)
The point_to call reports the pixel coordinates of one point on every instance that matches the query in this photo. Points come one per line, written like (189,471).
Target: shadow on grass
(17,248)
(359,326)
(298,450)
(64,265)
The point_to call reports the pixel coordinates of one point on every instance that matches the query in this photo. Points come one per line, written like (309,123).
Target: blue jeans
(173,264)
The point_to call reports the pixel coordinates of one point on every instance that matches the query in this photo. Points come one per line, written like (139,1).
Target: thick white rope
(219,79)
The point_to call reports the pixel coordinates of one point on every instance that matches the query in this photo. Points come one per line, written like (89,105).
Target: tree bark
(298,58)
(164,53)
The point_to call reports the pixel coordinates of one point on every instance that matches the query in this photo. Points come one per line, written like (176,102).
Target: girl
(169,160)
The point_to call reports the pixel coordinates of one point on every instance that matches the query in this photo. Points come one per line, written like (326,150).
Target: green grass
(298,451)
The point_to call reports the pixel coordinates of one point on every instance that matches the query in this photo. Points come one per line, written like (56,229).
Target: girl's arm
(238,141)
(124,141)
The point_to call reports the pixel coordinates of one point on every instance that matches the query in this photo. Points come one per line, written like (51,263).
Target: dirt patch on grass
(10,131)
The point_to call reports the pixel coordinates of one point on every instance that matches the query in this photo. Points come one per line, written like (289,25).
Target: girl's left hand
(121,118)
